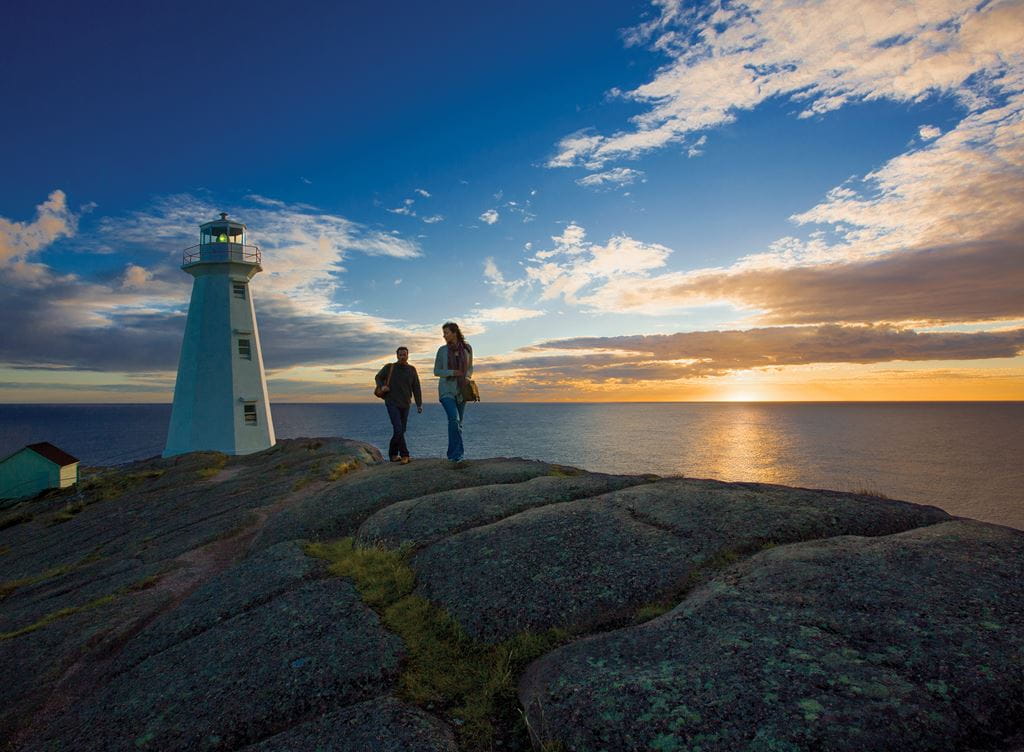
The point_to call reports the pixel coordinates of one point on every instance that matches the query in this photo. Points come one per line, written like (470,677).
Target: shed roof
(52,453)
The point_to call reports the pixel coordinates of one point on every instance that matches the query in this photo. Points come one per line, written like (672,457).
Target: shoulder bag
(470,393)
(382,391)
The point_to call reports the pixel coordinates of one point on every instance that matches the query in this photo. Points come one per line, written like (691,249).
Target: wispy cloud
(494,278)
(726,57)
(688,355)
(423,192)
(614,178)
(504,314)
(573,264)
(490,216)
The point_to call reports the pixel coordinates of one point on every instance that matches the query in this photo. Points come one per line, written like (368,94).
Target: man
(400,389)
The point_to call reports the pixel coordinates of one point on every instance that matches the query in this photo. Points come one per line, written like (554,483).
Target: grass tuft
(873,493)
(564,471)
(472,682)
(15,518)
(217,463)
(342,468)
(381,576)
(55,615)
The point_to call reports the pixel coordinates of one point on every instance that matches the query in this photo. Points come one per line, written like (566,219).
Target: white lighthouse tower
(220,397)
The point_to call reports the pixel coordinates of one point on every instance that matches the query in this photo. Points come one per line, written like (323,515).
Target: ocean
(965,457)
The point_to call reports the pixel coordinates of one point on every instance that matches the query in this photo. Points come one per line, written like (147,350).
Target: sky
(617,200)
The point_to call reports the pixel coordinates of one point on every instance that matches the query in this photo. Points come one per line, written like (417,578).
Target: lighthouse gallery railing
(248,254)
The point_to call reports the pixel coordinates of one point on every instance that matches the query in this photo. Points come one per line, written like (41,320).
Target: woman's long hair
(455,328)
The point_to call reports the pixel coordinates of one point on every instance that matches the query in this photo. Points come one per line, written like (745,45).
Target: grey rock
(253,582)
(383,724)
(338,510)
(913,640)
(593,562)
(429,518)
(307,651)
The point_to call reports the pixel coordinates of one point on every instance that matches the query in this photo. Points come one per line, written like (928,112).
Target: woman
(453,365)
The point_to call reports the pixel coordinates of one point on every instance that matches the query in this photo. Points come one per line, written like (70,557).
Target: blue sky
(768,200)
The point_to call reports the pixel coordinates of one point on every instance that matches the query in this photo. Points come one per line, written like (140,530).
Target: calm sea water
(967,458)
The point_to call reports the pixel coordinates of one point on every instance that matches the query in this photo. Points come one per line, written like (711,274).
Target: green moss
(812,709)
(698,575)
(651,611)
(474,683)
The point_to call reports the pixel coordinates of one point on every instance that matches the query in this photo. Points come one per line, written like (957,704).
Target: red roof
(52,453)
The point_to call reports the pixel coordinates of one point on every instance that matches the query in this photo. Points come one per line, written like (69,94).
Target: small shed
(36,468)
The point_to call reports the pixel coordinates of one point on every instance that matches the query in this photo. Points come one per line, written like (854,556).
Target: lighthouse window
(249,413)
(239,288)
(244,350)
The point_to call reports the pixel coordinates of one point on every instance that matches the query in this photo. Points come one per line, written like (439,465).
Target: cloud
(504,314)
(132,320)
(928,132)
(699,354)
(303,249)
(264,201)
(135,277)
(494,277)
(95,327)
(423,192)
(575,264)
(490,216)
(53,220)
(433,219)
(726,57)
(964,185)
(974,281)
(695,149)
(617,177)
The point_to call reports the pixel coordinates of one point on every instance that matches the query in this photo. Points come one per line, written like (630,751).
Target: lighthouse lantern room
(220,396)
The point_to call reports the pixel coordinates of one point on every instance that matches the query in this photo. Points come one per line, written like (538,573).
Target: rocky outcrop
(171,604)
(909,641)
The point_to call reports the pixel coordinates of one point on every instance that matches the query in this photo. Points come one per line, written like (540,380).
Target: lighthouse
(220,396)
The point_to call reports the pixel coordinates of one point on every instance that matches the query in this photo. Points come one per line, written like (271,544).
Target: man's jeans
(453,408)
(399,419)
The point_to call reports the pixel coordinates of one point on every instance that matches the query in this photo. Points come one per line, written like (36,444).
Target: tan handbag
(382,391)
(469,391)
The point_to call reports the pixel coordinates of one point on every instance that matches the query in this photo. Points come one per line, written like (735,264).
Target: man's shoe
(406,460)
(396,458)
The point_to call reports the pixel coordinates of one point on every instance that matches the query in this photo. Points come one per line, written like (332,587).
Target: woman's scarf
(460,356)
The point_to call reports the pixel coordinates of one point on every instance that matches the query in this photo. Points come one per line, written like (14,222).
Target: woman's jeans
(399,419)
(454,408)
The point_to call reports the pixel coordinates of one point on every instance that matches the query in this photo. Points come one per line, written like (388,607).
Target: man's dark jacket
(405,384)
